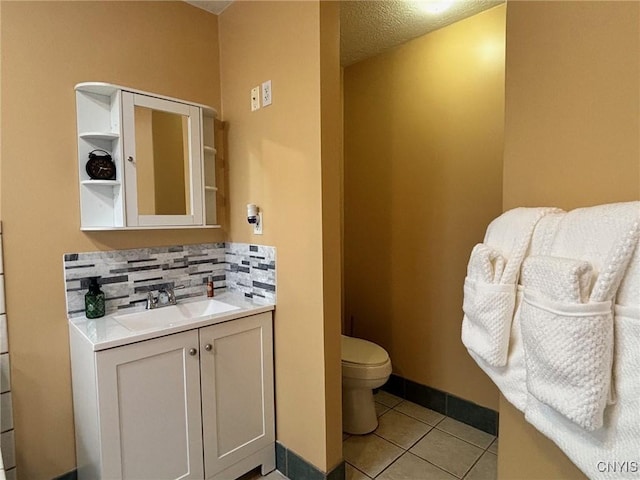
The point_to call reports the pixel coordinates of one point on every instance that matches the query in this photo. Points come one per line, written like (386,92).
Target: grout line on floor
(465,441)
(473,465)
(422,421)
(389,466)
(406,450)
(356,468)
(438,466)
(400,446)
(431,426)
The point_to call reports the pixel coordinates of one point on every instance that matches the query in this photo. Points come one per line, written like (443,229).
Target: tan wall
(47,48)
(423,178)
(277,160)
(331,138)
(572,139)
(572,103)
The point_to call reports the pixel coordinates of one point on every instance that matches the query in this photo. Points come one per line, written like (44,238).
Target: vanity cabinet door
(149,409)
(237,391)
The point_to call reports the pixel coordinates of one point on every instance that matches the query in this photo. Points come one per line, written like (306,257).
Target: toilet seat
(363,360)
(356,351)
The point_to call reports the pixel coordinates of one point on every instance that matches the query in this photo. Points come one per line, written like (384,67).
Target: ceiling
(370,27)
(213,6)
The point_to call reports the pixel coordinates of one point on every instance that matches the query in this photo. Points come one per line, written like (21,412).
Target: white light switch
(266,93)
(255,98)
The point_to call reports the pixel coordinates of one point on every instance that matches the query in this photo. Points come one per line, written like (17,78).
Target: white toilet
(365,366)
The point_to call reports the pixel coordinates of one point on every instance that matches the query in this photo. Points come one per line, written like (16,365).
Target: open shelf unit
(99,121)
(209,160)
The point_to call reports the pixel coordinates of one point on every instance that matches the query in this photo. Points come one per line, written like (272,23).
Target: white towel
(486,264)
(616,263)
(488,306)
(490,286)
(618,439)
(568,344)
(591,234)
(560,279)
(588,234)
(488,309)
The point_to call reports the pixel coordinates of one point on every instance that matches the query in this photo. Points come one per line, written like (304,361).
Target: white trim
(148,227)
(103,88)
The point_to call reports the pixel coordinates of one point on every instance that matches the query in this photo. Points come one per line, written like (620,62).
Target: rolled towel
(561,279)
(485,264)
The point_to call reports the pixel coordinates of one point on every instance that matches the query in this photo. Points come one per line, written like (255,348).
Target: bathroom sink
(204,308)
(172,315)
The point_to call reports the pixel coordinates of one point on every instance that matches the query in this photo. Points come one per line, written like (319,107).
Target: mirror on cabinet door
(163,163)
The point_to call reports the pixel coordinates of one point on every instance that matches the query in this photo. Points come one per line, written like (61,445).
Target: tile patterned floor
(415,443)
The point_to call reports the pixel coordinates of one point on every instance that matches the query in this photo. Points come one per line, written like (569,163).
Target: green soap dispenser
(94,300)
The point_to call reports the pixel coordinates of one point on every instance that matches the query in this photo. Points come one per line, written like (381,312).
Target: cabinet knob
(193,351)
(130,159)
(208,347)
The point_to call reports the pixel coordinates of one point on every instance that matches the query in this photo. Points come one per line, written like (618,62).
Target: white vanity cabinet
(164,155)
(192,405)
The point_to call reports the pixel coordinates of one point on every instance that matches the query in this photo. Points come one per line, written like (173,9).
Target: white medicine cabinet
(164,155)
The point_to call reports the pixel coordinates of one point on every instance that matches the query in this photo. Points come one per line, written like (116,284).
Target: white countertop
(107,332)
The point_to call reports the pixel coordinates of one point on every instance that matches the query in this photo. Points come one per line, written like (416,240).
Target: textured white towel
(488,309)
(561,279)
(488,306)
(590,234)
(486,264)
(490,286)
(587,234)
(616,263)
(568,344)
(618,440)
(511,233)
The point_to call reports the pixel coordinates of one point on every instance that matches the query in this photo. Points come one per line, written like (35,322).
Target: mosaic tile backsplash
(251,270)
(127,275)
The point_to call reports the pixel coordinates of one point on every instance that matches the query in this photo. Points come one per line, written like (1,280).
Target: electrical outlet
(255,98)
(266,93)
(257,227)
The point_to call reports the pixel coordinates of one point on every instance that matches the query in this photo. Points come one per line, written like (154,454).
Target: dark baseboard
(295,467)
(288,463)
(72,475)
(457,408)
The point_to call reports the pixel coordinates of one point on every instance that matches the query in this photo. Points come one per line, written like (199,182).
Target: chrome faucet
(152,302)
(166,296)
